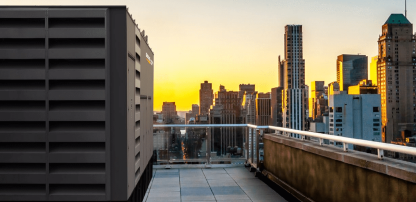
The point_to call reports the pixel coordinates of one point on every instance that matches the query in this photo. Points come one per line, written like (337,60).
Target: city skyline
(211,40)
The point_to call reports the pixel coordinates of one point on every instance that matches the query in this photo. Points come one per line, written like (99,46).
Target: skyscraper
(250,88)
(195,109)
(317,90)
(169,111)
(351,69)
(294,106)
(276,103)
(396,77)
(206,97)
(249,107)
(281,71)
(263,109)
(226,111)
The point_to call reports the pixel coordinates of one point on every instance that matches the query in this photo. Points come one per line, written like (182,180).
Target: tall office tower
(243,90)
(206,97)
(281,71)
(351,69)
(317,90)
(276,102)
(195,109)
(191,115)
(226,111)
(169,111)
(249,107)
(294,106)
(263,109)
(373,70)
(396,77)
(250,88)
(75,114)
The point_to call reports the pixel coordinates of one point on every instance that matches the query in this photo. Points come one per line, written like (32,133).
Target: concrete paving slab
(215,184)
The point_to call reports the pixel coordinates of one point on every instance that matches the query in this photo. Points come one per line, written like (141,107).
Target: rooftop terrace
(214,184)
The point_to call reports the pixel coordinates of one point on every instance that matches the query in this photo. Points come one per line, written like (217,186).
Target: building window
(376,120)
(376,109)
(331,109)
(338,120)
(338,109)
(375,129)
(376,133)
(376,124)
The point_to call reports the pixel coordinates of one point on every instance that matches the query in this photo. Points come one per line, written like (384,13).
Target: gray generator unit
(76,104)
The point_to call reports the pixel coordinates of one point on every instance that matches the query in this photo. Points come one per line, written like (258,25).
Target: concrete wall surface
(326,173)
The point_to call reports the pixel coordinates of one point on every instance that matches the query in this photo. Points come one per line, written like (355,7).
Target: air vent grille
(53,107)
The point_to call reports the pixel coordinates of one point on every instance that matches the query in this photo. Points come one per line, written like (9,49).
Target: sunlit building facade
(396,77)
(351,69)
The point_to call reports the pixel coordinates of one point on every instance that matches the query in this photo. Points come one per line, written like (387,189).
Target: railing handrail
(345,140)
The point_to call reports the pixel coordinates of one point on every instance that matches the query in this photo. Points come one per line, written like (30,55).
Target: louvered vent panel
(77,108)
(137,82)
(22,108)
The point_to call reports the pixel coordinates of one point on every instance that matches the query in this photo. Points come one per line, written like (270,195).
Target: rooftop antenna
(405,8)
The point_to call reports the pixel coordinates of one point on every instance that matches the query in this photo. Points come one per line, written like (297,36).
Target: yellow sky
(232,42)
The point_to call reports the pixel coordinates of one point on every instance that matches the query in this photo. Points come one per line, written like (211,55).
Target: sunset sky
(232,42)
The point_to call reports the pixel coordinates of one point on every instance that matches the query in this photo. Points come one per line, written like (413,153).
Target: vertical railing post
(258,146)
(251,146)
(167,146)
(208,144)
(380,154)
(345,146)
(246,143)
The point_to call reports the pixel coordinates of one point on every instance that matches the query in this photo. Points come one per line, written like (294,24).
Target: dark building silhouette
(206,97)
(76,104)
(169,112)
(263,109)
(276,106)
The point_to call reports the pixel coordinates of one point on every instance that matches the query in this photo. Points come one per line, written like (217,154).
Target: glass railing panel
(228,145)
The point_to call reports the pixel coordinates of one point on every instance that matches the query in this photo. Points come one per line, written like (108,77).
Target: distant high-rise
(263,109)
(317,90)
(351,69)
(206,97)
(169,111)
(195,109)
(250,88)
(249,107)
(226,111)
(396,78)
(276,104)
(294,106)
(281,74)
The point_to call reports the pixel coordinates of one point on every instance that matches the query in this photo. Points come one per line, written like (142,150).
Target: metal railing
(253,133)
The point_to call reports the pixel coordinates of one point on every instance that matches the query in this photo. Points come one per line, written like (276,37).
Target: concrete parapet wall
(327,173)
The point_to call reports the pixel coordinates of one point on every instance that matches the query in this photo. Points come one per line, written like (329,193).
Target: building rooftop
(215,184)
(397,19)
